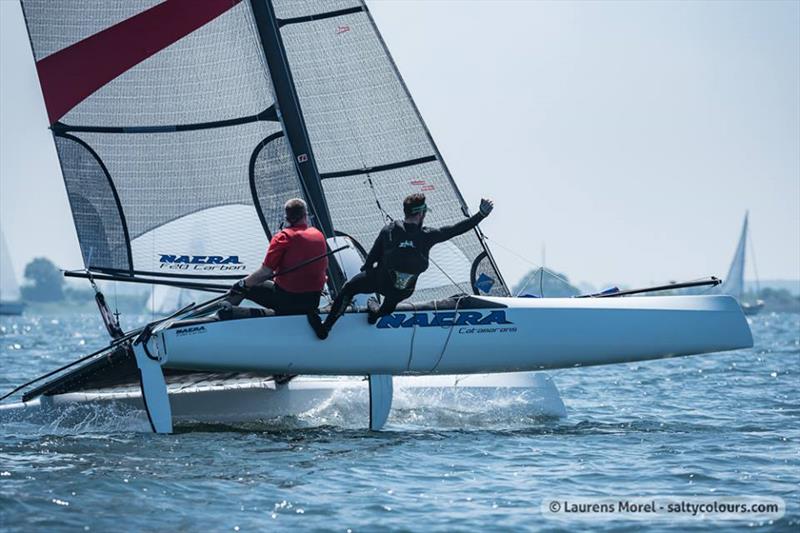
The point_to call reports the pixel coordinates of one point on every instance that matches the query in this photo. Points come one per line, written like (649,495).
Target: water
(726,424)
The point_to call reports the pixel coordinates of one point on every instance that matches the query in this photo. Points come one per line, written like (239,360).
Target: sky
(628,139)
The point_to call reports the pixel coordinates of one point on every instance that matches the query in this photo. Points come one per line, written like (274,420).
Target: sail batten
(379,168)
(319,16)
(269,115)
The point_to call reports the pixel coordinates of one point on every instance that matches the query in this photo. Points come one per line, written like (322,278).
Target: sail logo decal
(443,319)
(484,283)
(191,330)
(200,262)
(423,185)
(342,29)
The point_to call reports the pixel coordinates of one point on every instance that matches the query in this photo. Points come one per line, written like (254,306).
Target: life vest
(404,259)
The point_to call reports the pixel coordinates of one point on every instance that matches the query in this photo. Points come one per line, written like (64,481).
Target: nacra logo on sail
(200,262)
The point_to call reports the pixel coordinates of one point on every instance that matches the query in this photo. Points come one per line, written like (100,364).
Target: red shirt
(292,246)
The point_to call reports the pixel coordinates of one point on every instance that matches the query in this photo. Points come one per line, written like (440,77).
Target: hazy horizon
(629,138)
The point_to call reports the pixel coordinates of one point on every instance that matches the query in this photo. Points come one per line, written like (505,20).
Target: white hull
(516,335)
(252,400)
(485,335)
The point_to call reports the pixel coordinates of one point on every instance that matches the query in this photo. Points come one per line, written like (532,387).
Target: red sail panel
(71,75)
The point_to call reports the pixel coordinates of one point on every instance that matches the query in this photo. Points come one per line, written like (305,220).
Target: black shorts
(283,302)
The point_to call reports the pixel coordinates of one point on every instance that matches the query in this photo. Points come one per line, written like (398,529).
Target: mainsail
(177,114)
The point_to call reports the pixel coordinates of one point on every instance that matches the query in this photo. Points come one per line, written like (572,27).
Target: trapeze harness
(405,257)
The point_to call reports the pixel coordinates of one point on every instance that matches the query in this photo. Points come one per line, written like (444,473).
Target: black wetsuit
(398,257)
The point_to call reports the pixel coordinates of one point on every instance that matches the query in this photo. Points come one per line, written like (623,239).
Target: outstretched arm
(448,232)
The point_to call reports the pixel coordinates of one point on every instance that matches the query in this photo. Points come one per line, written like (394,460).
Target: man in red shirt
(296,292)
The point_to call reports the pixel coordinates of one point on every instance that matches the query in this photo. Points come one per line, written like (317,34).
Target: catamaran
(173,115)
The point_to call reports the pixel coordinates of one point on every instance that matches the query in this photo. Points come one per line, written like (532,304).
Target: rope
(413,336)
(377,201)
(459,287)
(449,334)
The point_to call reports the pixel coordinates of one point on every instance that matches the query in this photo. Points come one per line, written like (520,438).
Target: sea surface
(709,426)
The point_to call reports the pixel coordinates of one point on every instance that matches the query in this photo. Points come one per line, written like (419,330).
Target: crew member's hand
(486,207)
(238,289)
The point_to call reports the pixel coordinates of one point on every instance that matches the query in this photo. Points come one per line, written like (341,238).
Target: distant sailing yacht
(734,282)
(10,303)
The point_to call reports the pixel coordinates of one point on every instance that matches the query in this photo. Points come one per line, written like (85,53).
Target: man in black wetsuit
(398,257)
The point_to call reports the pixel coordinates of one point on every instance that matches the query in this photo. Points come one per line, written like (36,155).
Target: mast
(294,126)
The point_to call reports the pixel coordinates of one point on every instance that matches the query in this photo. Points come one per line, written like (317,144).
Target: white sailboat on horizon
(10,302)
(733,284)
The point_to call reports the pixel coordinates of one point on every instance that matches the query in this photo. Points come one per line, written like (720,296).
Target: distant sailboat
(734,282)
(166,300)
(10,303)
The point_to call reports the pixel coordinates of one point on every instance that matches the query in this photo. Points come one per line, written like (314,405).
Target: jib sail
(177,115)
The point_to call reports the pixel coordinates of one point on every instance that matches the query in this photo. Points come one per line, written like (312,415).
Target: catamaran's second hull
(498,335)
(258,399)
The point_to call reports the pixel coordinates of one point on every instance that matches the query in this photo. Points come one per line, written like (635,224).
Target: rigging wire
(413,336)
(116,303)
(152,286)
(755,267)
(375,195)
(540,268)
